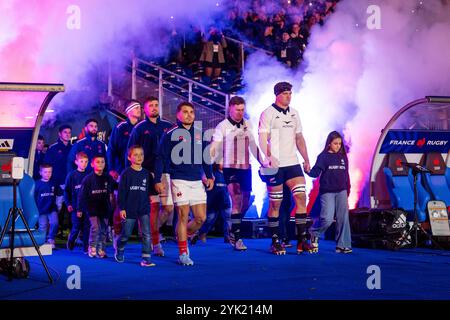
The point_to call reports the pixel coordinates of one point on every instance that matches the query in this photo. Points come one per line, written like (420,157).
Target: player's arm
(256,152)
(111,154)
(301,146)
(215,147)
(162,157)
(264,135)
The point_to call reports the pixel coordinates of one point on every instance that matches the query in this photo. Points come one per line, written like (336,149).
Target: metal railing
(143,78)
(191,84)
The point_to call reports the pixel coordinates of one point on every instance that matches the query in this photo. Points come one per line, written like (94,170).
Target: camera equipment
(11,173)
(417,169)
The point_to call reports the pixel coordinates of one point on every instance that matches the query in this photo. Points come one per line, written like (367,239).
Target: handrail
(181,88)
(249,45)
(190,82)
(181,77)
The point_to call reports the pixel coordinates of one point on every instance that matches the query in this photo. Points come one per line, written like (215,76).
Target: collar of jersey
(280,109)
(180,125)
(234,123)
(150,121)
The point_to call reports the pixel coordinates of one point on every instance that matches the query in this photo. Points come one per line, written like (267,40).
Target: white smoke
(357,78)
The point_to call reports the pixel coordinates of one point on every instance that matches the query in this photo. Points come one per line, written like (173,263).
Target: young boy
(45,193)
(134,203)
(72,188)
(95,198)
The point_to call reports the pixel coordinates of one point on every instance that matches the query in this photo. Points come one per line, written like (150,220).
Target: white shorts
(188,192)
(166,198)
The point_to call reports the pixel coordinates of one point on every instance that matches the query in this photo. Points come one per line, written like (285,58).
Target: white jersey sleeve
(264,122)
(219,133)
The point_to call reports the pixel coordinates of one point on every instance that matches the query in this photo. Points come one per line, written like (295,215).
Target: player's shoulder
(247,123)
(72,173)
(269,111)
(140,124)
(100,142)
(223,124)
(82,140)
(172,129)
(53,146)
(293,111)
(166,124)
(121,125)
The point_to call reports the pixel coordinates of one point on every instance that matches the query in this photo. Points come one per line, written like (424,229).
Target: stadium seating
(437,182)
(400,185)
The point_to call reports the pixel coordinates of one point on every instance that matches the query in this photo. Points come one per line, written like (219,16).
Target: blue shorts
(281,176)
(241,176)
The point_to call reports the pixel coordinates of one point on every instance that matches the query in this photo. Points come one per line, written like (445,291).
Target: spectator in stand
(279,26)
(193,46)
(212,54)
(287,52)
(269,38)
(297,38)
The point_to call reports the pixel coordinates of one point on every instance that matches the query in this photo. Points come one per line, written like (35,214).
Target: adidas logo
(6,144)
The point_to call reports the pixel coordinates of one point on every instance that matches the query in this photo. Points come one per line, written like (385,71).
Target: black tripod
(12,214)
(417,169)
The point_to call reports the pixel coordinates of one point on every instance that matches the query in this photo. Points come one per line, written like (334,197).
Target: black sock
(274,226)
(236,219)
(300,225)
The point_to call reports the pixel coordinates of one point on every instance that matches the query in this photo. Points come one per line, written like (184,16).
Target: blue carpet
(221,273)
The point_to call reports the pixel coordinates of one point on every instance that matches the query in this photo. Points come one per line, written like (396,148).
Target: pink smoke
(38,45)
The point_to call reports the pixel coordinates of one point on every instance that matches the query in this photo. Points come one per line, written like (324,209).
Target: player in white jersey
(232,143)
(280,137)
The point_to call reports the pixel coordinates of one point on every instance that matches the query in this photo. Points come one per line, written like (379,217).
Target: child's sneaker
(185,260)
(92,252)
(277,248)
(343,250)
(240,246)
(102,254)
(314,244)
(146,262)
(304,246)
(119,257)
(158,250)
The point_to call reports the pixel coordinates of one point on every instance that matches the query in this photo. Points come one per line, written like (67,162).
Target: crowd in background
(281,28)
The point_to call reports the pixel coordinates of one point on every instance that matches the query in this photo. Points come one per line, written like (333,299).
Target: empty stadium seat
(400,185)
(25,200)
(437,181)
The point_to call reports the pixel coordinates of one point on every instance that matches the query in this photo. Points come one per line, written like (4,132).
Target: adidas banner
(410,141)
(17,140)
